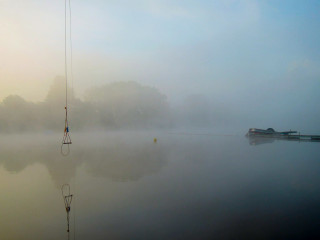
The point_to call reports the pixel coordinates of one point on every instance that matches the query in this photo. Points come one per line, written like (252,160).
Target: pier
(287,135)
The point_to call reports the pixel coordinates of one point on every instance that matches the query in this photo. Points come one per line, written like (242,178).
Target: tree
(18,115)
(129,104)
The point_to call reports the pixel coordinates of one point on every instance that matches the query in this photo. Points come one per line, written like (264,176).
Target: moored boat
(267,132)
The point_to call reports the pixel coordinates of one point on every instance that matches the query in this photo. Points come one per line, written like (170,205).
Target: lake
(184,186)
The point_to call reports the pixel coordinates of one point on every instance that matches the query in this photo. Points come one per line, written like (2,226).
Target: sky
(261,58)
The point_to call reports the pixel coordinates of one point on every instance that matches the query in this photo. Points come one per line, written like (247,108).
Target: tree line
(116,105)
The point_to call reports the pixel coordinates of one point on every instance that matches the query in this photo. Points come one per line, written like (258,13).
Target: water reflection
(182,187)
(117,160)
(257,140)
(124,162)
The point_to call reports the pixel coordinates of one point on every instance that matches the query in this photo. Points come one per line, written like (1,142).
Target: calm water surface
(182,187)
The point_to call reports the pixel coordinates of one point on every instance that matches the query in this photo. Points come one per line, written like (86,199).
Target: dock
(286,135)
(303,137)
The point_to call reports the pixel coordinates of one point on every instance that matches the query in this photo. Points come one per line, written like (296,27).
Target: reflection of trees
(19,153)
(125,162)
(119,161)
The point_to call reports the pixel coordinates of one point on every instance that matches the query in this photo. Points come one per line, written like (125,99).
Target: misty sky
(258,55)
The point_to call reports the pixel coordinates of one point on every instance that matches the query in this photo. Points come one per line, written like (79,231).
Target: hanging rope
(74,209)
(71,58)
(66,137)
(65,150)
(67,198)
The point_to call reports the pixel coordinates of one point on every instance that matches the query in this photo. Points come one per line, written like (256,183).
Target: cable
(65,51)
(71,58)
(74,211)
(66,137)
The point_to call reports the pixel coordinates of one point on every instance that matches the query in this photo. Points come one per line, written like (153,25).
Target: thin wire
(74,209)
(68,226)
(66,137)
(71,64)
(65,51)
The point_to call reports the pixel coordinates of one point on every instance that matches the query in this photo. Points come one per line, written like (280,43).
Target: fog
(132,106)
(160,96)
(247,63)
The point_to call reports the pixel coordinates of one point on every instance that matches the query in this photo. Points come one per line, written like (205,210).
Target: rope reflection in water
(67,198)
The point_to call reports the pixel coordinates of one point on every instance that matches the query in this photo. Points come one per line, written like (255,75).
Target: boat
(268,132)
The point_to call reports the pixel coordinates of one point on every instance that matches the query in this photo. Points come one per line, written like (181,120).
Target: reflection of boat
(260,140)
(287,135)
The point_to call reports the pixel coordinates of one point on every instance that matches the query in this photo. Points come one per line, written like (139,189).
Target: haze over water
(196,75)
(185,186)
